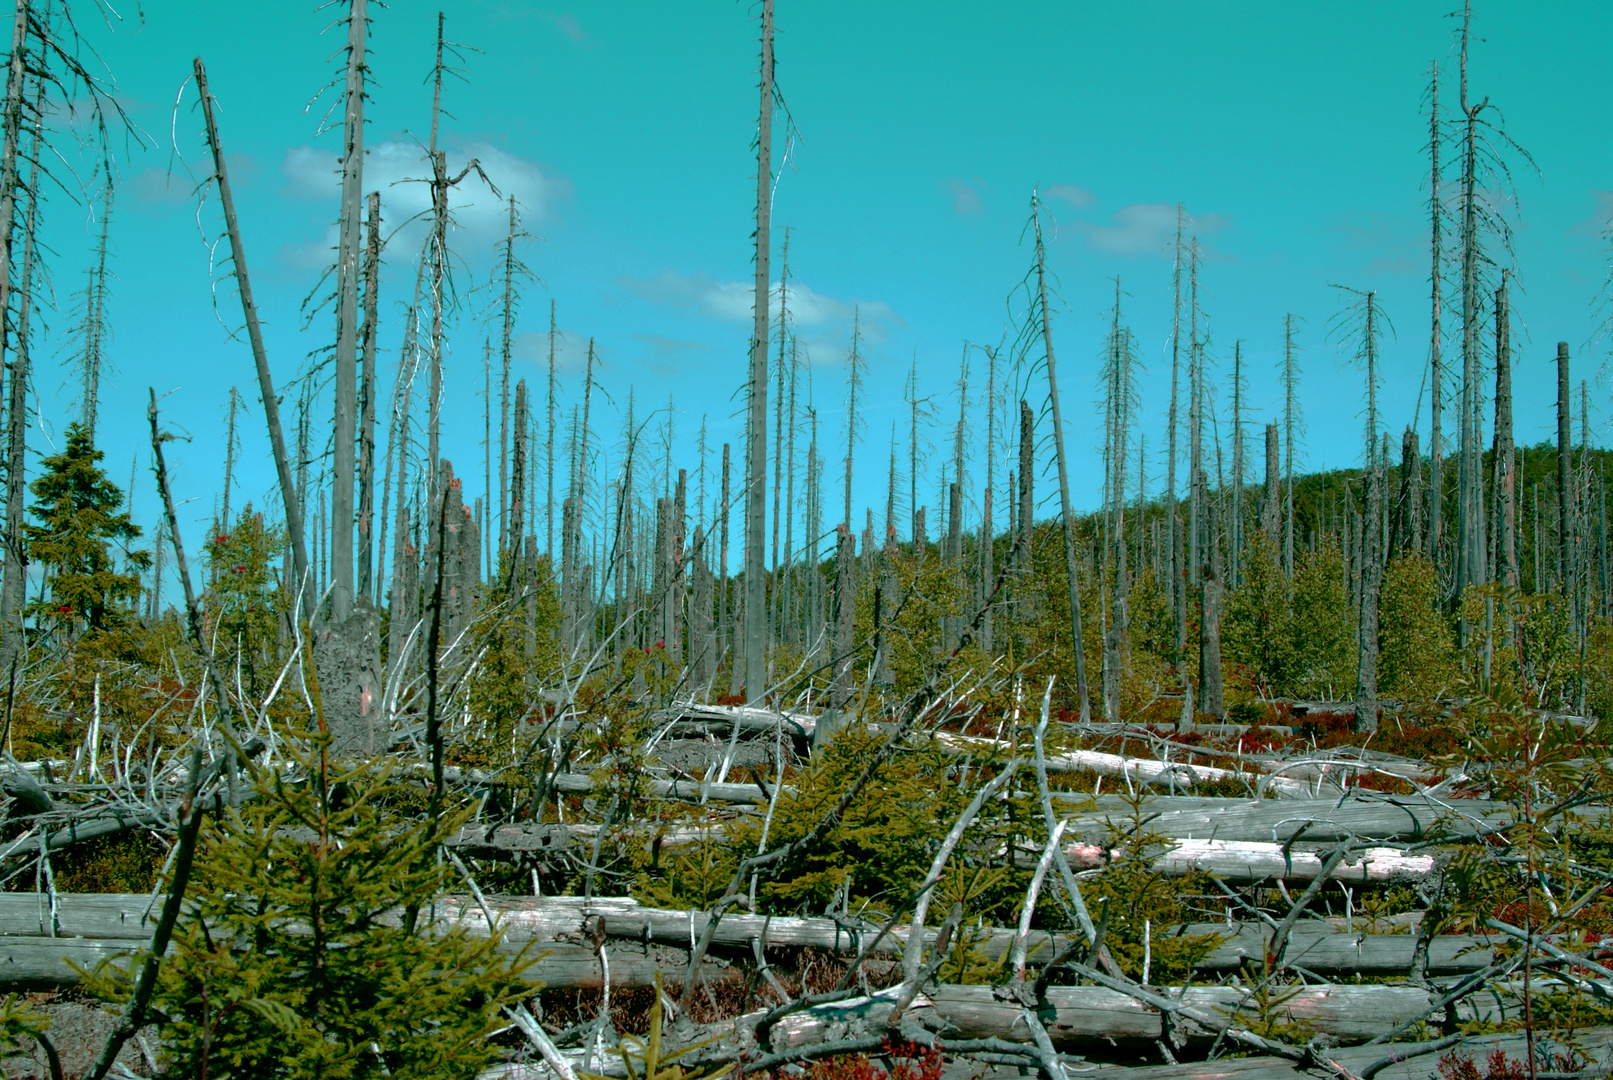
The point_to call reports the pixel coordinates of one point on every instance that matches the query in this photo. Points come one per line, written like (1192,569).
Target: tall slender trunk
(348,270)
(756,471)
(548,504)
(507,494)
(1173,505)
(437,256)
(367,382)
(249,310)
(1436,368)
(1505,464)
(13,588)
(1370,551)
(95,296)
(1565,489)
(1290,429)
(1470,568)
(1077,640)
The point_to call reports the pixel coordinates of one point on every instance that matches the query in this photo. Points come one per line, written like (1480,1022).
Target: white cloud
(822,322)
(965,196)
(398,170)
(1069,193)
(1147,228)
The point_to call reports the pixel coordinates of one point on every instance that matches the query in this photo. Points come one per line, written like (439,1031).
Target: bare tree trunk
(1505,459)
(845,607)
(1565,488)
(1210,695)
(348,242)
(756,471)
(1410,517)
(1270,508)
(1070,561)
(95,334)
(1436,368)
(724,623)
(1290,429)
(516,523)
(1371,554)
(13,589)
(548,503)
(271,403)
(366,430)
(1027,506)
(1173,505)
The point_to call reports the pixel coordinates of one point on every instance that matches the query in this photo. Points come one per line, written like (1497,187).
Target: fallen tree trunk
(1140,770)
(1248,862)
(1074,1015)
(1372,817)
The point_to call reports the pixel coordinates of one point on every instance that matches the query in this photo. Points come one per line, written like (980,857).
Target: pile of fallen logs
(1297,989)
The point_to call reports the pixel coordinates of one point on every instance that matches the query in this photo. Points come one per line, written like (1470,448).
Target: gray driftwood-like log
(1368,817)
(1246,862)
(1074,1015)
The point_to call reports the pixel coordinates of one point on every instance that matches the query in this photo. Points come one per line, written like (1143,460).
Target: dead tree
(271,403)
(349,240)
(1044,318)
(756,448)
(1436,367)
(365,574)
(1505,456)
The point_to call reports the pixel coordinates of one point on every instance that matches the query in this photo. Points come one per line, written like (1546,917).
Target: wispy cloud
(399,171)
(965,196)
(1147,229)
(824,322)
(1069,193)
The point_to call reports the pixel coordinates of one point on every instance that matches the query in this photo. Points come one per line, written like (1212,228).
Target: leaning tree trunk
(249,311)
(1077,640)
(756,471)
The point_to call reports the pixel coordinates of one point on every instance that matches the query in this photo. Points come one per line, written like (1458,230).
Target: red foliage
(908,1061)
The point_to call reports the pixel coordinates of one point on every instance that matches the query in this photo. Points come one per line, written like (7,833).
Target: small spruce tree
(79,517)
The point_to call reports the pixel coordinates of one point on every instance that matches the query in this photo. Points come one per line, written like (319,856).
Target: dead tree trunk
(249,310)
(1077,639)
(366,430)
(1565,488)
(348,269)
(756,450)
(1270,508)
(1506,517)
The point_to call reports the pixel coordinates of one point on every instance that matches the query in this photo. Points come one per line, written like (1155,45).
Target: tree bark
(249,311)
(1070,561)
(348,242)
(756,450)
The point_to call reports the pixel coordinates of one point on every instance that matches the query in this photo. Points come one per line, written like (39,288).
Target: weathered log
(1141,770)
(1324,949)
(747,718)
(1317,945)
(1077,1014)
(45,962)
(1246,862)
(1369,817)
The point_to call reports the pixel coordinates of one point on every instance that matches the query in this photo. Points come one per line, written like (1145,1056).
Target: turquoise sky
(1293,134)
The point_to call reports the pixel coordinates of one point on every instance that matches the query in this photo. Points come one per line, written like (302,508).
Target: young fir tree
(79,515)
(291,963)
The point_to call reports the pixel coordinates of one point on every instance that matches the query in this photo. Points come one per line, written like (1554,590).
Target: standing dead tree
(756,446)
(1360,326)
(1038,324)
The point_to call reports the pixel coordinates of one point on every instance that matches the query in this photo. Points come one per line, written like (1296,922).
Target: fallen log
(747,718)
(1139,770)
(1247,862)
(1367,817)
(1074,1015)
(1317,945)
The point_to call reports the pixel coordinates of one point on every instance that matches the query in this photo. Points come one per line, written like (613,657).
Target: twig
(134,1014)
